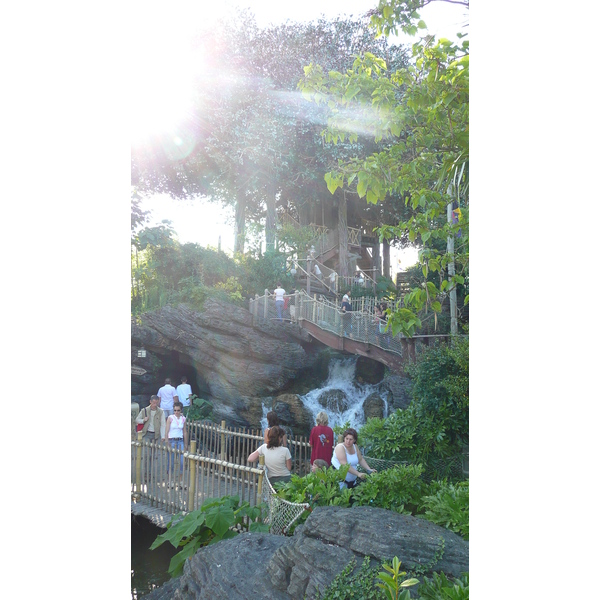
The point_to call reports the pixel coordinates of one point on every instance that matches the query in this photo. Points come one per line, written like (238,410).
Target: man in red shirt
(321,440)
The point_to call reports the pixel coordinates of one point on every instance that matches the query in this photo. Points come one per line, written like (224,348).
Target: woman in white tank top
(348,453)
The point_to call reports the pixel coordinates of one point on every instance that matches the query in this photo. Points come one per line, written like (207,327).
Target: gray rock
(260,565)
(374,406)
(335,400)
(399,387)
(369,370)
(235,359)
(292,413)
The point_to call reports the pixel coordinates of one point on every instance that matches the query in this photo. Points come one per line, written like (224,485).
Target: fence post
(314,319)
(138,465)
(192,468)
(266,307)
(261,462)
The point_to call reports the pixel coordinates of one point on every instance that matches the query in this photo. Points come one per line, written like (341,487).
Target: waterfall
(345,397)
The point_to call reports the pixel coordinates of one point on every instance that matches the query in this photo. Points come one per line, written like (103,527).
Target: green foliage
(321,488)
(261,273)
(350,584)
(398,489)
(448,507)
(440,587)
(360,584)
(436,424)
(441,387)
(391,582)
(419,115)
(217,519)
(199,409)
(339,429)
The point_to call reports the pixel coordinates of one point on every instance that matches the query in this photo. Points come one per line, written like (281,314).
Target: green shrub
(448,506)
(398,489)
(199,409)
(440,587)
(350,585)
(216,520)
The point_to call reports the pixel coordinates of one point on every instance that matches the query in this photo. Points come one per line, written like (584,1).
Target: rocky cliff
(224,355)
(261,565)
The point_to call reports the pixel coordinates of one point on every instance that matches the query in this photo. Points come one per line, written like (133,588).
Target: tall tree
(422,112)
(253,141)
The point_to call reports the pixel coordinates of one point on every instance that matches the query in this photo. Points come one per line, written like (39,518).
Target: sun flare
(164,66)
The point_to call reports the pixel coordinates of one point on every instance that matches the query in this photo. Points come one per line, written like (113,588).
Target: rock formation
(261,565)
(234,360)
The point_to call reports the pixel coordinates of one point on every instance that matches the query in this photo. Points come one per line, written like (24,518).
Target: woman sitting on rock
(278,459)
(348,453)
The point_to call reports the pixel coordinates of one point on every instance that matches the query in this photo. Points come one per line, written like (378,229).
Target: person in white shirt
(167,395)
(177,436)
(279,301)
(184,391)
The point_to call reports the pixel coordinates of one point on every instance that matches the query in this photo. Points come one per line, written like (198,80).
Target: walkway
(357,332)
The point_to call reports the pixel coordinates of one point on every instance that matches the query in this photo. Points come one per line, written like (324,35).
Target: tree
(252,140)
(421,112)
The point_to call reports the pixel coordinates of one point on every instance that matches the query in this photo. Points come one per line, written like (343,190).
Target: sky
(207,223)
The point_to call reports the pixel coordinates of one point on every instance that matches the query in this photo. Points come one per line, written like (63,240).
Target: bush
(398,489)
(440,587)
(448,506)
(199,409)
(218,519)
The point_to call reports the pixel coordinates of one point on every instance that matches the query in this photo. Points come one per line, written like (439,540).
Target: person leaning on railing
(348,453)
(278,458)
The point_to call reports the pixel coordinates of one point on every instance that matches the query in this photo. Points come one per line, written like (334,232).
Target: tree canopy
(420,112)
(252,140)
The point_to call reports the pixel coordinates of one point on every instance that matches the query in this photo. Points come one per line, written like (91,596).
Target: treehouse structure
(343,252)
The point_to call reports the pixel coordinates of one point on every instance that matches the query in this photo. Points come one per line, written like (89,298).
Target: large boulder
(261,565)
(237,358)
(334,400)
(369,370)
(292,413)
(399,388)
(374,406)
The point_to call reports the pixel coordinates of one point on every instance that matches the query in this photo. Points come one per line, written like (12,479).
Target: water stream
(340,396)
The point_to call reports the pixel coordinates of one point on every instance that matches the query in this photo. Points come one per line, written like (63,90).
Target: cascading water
(341,397)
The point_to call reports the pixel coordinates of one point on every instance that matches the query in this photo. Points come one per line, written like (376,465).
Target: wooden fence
(215,465)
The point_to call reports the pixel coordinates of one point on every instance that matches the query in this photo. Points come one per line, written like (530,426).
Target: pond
(148,567)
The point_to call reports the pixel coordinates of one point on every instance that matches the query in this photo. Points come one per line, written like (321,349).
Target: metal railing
(360,324)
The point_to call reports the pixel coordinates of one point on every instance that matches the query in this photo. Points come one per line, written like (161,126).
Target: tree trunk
(343,235)
(376,273)
(270,226)
(386,259)
(240,222)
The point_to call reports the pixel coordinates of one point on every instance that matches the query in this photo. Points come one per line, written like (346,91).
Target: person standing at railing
(348,453)
(273,421)
(167,395)
(346,314)
(152,419)
(176,433)
(184,391)
(321,440)
(278,458)
(279,300)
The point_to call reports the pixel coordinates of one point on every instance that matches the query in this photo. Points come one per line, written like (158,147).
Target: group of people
(164,418)
(278,459)
(283,302)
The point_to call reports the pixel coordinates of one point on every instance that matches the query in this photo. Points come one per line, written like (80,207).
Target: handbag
(139,426)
